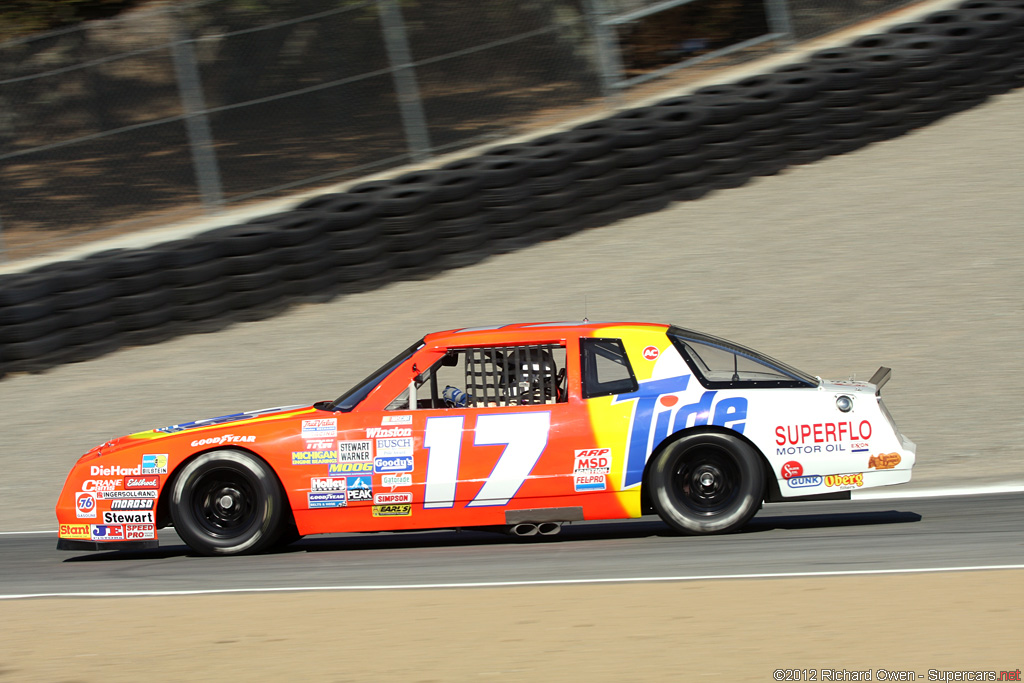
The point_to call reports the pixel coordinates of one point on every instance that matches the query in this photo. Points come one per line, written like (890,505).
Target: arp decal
(654,419)
(590,469)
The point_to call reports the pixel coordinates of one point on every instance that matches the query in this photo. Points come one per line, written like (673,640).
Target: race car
(520,428)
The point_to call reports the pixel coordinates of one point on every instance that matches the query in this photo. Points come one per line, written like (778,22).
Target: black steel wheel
(706,483)
(227,503)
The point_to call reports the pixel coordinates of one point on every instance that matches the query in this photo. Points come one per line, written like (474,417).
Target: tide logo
(658,413)
(85,505)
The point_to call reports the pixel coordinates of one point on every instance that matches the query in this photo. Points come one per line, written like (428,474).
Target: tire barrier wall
(639,160)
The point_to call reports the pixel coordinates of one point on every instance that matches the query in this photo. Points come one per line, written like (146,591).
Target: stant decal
(75,531)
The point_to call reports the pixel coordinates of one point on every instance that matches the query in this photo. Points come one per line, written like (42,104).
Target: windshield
(724,363)
(354,396)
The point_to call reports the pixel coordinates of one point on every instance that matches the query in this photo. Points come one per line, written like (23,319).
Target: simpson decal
(392,498)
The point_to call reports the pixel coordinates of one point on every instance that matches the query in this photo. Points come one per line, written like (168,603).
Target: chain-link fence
(179,108)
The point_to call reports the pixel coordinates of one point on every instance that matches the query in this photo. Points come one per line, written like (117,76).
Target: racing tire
(706,483)
(227,503)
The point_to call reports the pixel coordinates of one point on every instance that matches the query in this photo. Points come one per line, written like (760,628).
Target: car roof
(528,332)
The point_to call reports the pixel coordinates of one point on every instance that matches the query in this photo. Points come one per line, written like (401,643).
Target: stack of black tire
(634,162)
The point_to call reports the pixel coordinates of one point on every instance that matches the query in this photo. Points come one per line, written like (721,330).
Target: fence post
(608,58)
(778,19)
(3,255)
(409,102)
(200,139)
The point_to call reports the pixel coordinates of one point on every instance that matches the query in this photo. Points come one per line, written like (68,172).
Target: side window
(491,376)
(606,369)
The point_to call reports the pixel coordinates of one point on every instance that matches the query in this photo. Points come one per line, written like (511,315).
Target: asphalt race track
(842,536)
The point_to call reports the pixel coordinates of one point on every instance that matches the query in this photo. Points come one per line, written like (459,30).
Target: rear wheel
(227,503)
(707,483)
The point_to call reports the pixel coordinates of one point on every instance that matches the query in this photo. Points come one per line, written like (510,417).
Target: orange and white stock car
(520,428)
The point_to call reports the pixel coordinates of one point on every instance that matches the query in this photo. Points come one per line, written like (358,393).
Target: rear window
(720,363)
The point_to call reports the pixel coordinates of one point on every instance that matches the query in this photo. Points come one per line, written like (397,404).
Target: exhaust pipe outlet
(549,528)
(524,529)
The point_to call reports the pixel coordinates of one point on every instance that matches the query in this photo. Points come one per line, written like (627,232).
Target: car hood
(234,420)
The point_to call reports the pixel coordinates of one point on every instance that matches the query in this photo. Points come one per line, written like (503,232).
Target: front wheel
(227,503)
(707,483)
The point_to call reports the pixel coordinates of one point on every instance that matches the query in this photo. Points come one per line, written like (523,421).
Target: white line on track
(875,494)
(510,584)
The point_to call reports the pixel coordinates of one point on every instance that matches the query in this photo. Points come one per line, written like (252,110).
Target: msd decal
(658,413)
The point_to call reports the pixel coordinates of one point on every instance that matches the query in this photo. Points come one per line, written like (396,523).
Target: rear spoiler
(881,376)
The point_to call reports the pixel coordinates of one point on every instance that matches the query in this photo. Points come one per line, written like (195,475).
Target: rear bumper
(69,544)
